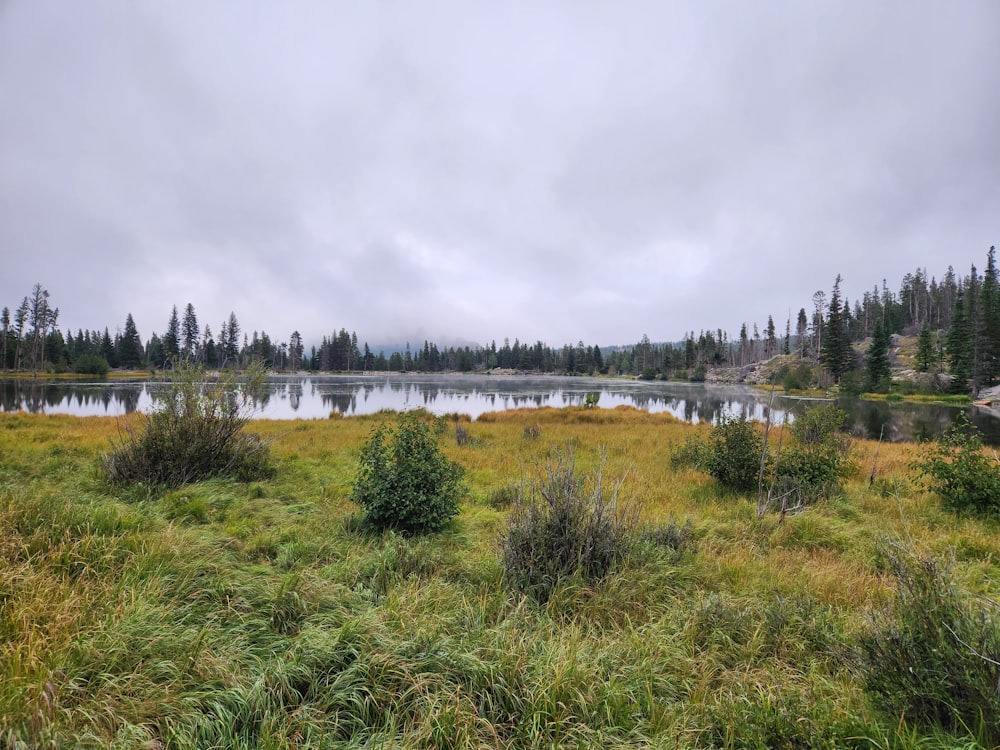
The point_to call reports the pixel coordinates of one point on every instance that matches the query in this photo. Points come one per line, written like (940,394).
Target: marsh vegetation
(264,613)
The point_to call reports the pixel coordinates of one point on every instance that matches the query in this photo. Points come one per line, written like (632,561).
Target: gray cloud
(565,171)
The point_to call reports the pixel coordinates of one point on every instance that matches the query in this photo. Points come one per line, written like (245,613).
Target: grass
(232,615)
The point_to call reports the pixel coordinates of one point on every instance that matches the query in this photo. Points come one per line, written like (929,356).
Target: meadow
(261,615)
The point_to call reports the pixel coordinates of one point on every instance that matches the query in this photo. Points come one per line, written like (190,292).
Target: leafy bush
(565,526)
(820,453)
(796,379)
(735,449)
(959,471)
(934,655)
(404,481)
(693,452)
(91,364)
(195,432)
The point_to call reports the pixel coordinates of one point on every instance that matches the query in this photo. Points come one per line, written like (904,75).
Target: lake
(316,396)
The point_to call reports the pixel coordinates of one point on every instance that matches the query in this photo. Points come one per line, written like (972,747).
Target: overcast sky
(475,170)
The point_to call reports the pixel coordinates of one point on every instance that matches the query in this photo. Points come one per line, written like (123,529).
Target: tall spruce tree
(925,349)
(960,346)
(835,353)
(987,327)
(172,338)
(130,345)
(877,366)
(189,332)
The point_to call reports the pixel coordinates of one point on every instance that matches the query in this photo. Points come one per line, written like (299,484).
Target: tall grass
(236,615)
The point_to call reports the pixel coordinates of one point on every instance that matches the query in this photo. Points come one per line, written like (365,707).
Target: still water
(315,397)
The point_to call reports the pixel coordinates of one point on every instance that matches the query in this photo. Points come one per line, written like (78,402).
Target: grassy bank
(232,615)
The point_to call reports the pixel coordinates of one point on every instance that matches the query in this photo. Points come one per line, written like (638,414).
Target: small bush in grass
(672,536)
(404,481)
(694,452)
(735,449)
(818,457)
(933,657)
(958,470)
(195,432)
(462,436)
(531,432)
(566,526)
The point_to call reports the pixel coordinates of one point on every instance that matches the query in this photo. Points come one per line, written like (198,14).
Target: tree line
(956,318)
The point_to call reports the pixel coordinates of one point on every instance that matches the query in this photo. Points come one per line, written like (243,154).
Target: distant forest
(957,320)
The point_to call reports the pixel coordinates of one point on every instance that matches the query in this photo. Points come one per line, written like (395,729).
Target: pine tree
(836,351)
(960,346)
(189,332)
(925,349)
(987,328)
(877,364)
(130,345)
(172,338)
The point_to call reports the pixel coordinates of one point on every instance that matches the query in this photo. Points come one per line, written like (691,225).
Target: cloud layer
(449,170)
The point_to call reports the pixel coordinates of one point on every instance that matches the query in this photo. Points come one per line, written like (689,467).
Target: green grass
(231,615)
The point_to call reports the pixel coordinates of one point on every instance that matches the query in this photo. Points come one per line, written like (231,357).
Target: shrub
(934,655)
(796,379)
(694,452)
(404,481)
(91,364)
(958,470)
(734,454)
(819,455)
(565,526)
(195,432)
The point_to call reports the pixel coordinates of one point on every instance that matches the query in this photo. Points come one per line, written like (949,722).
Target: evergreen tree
(801,331)
(189,332)
(129,346)
(925,349)
(960,346)
(836,353)
(987,329)
(172,338)
(877,364)
(5,322)
(231,343)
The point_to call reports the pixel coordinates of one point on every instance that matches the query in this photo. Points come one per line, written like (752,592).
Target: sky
(464,172)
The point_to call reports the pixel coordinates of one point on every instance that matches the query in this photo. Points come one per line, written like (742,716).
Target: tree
(925,349)
(835,353)
(877,365)
(801,329)
(41,317)
(5,321)
(295,351)
(960,346)
(230,340)
(172,338)
(130,345)
(189,332)
(987,328)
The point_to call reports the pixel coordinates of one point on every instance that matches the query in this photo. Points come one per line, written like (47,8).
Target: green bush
(195,432)
(796,379)
(565,526)
(958,470)
(91,364)
(933,657)
(819,455)
(735,449)
(404,481)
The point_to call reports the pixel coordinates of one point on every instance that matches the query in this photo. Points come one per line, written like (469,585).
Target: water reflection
(308,397)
